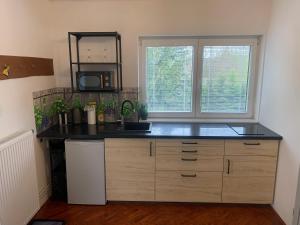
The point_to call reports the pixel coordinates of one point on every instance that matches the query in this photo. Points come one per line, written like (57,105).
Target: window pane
(225,76)
(169,78)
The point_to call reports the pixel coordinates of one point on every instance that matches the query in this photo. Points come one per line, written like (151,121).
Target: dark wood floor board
(116,213)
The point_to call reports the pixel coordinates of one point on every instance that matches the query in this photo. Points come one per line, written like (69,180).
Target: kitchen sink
(135,126)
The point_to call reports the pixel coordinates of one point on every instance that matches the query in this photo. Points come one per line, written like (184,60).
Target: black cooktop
(248,129)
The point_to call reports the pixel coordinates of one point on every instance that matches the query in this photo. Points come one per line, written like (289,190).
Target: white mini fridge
(85,172)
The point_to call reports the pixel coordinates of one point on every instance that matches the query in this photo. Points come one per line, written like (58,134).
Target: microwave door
(89,83)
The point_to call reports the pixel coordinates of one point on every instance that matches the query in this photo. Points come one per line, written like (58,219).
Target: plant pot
(77,116)
(100,118)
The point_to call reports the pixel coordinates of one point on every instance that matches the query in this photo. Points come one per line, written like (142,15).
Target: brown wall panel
(25,66)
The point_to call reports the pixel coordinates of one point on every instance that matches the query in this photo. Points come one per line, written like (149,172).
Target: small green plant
(58,106)
(77,104)
(38,116)
(142,111)
(100,108)
(110,106)
(128,110)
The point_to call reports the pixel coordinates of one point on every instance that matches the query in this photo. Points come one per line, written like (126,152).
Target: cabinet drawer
(189,162)
(250,166)
(188,186)
(212,150)
(188,142)
(248,190)
(251,147)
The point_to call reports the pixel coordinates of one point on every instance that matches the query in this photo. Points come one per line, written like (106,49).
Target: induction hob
(248,129)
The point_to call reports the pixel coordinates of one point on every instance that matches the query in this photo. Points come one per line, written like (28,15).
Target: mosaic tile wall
(42,101)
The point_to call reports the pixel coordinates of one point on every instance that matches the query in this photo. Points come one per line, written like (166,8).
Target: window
(198,78)
(225,77)
(169,78)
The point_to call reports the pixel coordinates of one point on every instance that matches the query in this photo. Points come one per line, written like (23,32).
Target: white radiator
(18,180)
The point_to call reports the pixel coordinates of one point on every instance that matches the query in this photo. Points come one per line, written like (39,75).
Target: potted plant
(77,111)
(38,116)
(60,108)
(142,111)
(100,112)
(128,110)
(110,110)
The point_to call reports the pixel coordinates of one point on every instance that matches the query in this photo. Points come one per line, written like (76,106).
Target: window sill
(196,120)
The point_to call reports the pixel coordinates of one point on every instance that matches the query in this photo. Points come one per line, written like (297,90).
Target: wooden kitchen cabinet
(249,171)
(130,169)
(180,170)
(189,170)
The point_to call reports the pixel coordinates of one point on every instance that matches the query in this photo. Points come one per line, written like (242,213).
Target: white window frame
(251,82)
(198,43)
(169,42)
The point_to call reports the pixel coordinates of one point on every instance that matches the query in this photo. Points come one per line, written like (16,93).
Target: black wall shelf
(76,65)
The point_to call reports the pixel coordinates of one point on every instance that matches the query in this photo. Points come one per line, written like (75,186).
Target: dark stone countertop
(164,130)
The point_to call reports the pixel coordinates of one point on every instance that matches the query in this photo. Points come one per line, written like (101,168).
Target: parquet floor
(116,213)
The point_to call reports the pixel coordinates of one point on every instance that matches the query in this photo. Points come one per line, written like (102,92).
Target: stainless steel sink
(135,126)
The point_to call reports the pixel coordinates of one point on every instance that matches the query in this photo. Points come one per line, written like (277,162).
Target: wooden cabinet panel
(248,189)
(188,186)
(130,169)
(212,150)
(188,142)
(251,147)
(189,162)
(250,166)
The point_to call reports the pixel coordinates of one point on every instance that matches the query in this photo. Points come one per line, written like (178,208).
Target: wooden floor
(160,214)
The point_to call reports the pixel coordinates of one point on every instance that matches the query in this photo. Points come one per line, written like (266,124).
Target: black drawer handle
(228,166)
(150,149)
(191,160)
(192,151)
(251,143)
(189,143)
(186,175)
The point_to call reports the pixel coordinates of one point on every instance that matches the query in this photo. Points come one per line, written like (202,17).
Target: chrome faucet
(122,108)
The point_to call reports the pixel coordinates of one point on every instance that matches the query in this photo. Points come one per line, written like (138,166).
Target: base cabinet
(175,170)
(250,171)
(130,169)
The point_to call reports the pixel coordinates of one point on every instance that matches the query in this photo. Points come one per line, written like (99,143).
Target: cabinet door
(242,189)
(249,166)
(249,179)
(130,169)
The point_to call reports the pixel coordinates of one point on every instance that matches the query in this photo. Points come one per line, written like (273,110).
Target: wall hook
(6,69)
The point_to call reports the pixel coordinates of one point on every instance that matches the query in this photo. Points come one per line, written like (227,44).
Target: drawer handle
(228,166)
(251,143)
(189,143)
(191,160)
(186,175)
(150,150)
(192,151)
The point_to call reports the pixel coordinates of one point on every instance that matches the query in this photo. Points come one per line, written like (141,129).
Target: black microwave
(94,80)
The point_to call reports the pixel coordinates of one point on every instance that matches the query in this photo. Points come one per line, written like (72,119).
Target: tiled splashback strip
(43,100)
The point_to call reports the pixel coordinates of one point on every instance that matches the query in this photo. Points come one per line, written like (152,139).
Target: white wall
(133,18)
(280,108)
(23,33)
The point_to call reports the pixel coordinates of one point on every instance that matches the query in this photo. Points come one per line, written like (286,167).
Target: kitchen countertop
(164,130)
